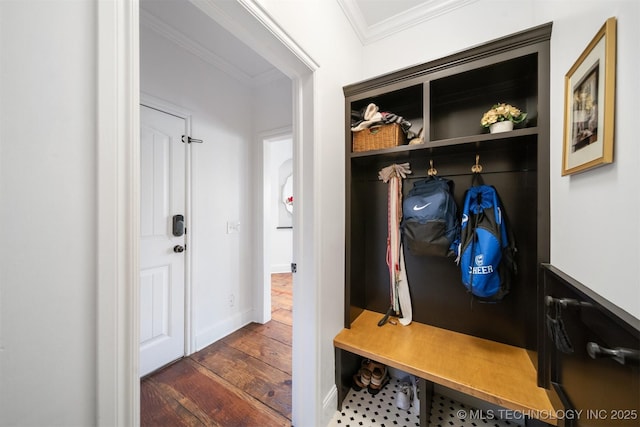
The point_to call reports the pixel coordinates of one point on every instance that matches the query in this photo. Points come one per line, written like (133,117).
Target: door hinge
(294,267)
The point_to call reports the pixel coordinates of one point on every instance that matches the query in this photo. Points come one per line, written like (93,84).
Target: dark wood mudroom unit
(449,96)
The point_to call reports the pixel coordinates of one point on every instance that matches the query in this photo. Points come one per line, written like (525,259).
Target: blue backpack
(487,248)
(430,224)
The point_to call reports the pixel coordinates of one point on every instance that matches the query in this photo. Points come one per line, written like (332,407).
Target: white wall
(594,216)
(47,213)
(222,189)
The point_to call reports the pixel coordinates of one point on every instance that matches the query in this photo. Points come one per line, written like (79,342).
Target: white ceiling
(186,25)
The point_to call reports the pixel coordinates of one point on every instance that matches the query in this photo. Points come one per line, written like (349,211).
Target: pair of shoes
(371,375)
(361,379)
(379,378)
(404,396)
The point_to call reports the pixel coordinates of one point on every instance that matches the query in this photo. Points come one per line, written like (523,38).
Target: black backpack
(430,223)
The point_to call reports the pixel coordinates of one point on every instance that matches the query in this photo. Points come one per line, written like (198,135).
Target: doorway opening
(118,185)
(228,146)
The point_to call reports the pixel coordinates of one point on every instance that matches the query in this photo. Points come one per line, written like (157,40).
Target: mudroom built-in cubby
(447,97)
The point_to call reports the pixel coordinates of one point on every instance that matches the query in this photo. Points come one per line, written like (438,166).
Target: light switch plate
(233,227)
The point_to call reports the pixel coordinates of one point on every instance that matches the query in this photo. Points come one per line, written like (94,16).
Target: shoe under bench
(497,373)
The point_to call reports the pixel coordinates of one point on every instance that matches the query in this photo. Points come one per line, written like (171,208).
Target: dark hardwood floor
(242,380)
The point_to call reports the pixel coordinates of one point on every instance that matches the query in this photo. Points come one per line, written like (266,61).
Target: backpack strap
(465,209)
(497,210)
(476,179)
(510,244)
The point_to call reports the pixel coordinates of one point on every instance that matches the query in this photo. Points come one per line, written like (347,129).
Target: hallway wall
(221,114)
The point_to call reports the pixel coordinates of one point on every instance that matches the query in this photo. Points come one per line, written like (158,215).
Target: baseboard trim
(329,405)
(222,329)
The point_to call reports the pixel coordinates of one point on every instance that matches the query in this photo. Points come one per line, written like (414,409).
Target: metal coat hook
(477,168)
(432,171)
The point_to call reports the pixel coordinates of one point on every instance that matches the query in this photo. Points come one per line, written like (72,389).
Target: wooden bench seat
(491,371)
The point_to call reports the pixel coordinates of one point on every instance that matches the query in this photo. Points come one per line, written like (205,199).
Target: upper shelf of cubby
(447,97)
(452,143)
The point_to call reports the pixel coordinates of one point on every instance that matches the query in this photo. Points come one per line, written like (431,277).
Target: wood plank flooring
(242,380)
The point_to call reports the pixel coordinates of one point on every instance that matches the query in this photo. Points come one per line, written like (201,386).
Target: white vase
(504,126)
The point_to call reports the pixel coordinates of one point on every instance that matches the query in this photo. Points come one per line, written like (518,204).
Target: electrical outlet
(233,227)
(232,300)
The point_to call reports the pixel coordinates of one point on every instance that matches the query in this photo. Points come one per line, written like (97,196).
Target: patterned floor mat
(361,409)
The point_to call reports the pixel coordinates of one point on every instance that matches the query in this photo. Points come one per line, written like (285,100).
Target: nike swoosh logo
(419,208)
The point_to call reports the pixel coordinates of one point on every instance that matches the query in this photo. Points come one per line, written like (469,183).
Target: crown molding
(403,20)
(270,76)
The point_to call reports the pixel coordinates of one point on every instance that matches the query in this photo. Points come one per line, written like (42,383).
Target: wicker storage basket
(378,137)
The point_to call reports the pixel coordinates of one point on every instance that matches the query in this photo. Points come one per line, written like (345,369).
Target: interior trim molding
(423,12)
(269,23)
(222,329)
(267,77)
(118,142)
(330,403)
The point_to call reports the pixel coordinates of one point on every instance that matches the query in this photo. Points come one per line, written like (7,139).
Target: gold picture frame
(589,110)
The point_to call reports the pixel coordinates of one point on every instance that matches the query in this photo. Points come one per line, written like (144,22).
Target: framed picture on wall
(589,110)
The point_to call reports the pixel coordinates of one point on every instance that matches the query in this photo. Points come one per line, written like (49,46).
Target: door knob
(178,248)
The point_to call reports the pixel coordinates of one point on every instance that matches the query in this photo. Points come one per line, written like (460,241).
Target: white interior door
(162,256)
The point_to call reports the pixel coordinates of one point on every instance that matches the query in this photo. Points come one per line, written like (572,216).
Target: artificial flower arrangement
(502,112)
